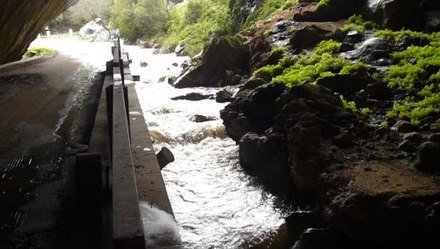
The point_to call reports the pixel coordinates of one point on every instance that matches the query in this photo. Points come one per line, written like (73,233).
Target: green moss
(415,109)
(351,105)
(365,111)
(416,65)
(404,76)
(396,35)
(357,23)
(269,71)
(39,51)
(357,68)
(322,4)
(418,72)
(321,63)
(328,46)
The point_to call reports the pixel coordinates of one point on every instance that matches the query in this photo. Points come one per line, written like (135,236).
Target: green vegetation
(144,19)
(39,51)
(415,107)
(351,105)
(81,13)
(267,9)
(329,46)
(323,4)
(396,35)
(195,21)
(358,24)
(192,22)
(417,71)
(321,63)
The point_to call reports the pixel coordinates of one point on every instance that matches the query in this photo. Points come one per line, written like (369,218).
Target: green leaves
(195,21)
(143,19)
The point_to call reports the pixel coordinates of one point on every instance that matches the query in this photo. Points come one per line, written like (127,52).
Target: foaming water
(214,202)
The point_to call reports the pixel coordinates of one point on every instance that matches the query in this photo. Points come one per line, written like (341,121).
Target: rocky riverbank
(342,111)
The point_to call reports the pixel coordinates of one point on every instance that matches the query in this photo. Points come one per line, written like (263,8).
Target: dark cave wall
(22,20)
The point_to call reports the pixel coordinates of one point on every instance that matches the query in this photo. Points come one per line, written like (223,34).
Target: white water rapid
(214,202)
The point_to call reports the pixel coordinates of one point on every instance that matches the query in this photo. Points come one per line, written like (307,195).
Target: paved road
(33,101)
(39,104)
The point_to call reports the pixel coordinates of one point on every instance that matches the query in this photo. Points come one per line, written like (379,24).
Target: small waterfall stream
(215,204)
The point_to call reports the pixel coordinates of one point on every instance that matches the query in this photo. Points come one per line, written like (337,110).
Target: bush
(142,19)
(195,21)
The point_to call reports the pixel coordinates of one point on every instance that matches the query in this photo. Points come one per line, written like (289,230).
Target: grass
(39,51)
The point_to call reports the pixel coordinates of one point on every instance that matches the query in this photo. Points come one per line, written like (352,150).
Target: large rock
(345,84)
(428,157)
(22,20)
(220,57)
(334,10)
(310,35)
(398,14)
(95,31)
(374,51)
(254,112)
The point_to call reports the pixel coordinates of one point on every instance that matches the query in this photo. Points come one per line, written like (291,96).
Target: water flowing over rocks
(22,20)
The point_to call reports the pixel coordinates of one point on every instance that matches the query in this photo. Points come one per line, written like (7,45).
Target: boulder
(223,96)
(201,118)
(95,31)
(180,49)
(310,35)
(398,14)
(428,157)
(343,140)
(249,85)
(345,84)
(404,126)
(434,138)
(193,97)
(432,23)
(219,56)
(374,51)
(251,156)
(254,111)
(334,10)
(236,123)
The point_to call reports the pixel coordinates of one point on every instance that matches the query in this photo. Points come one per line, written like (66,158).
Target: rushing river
(214,202)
